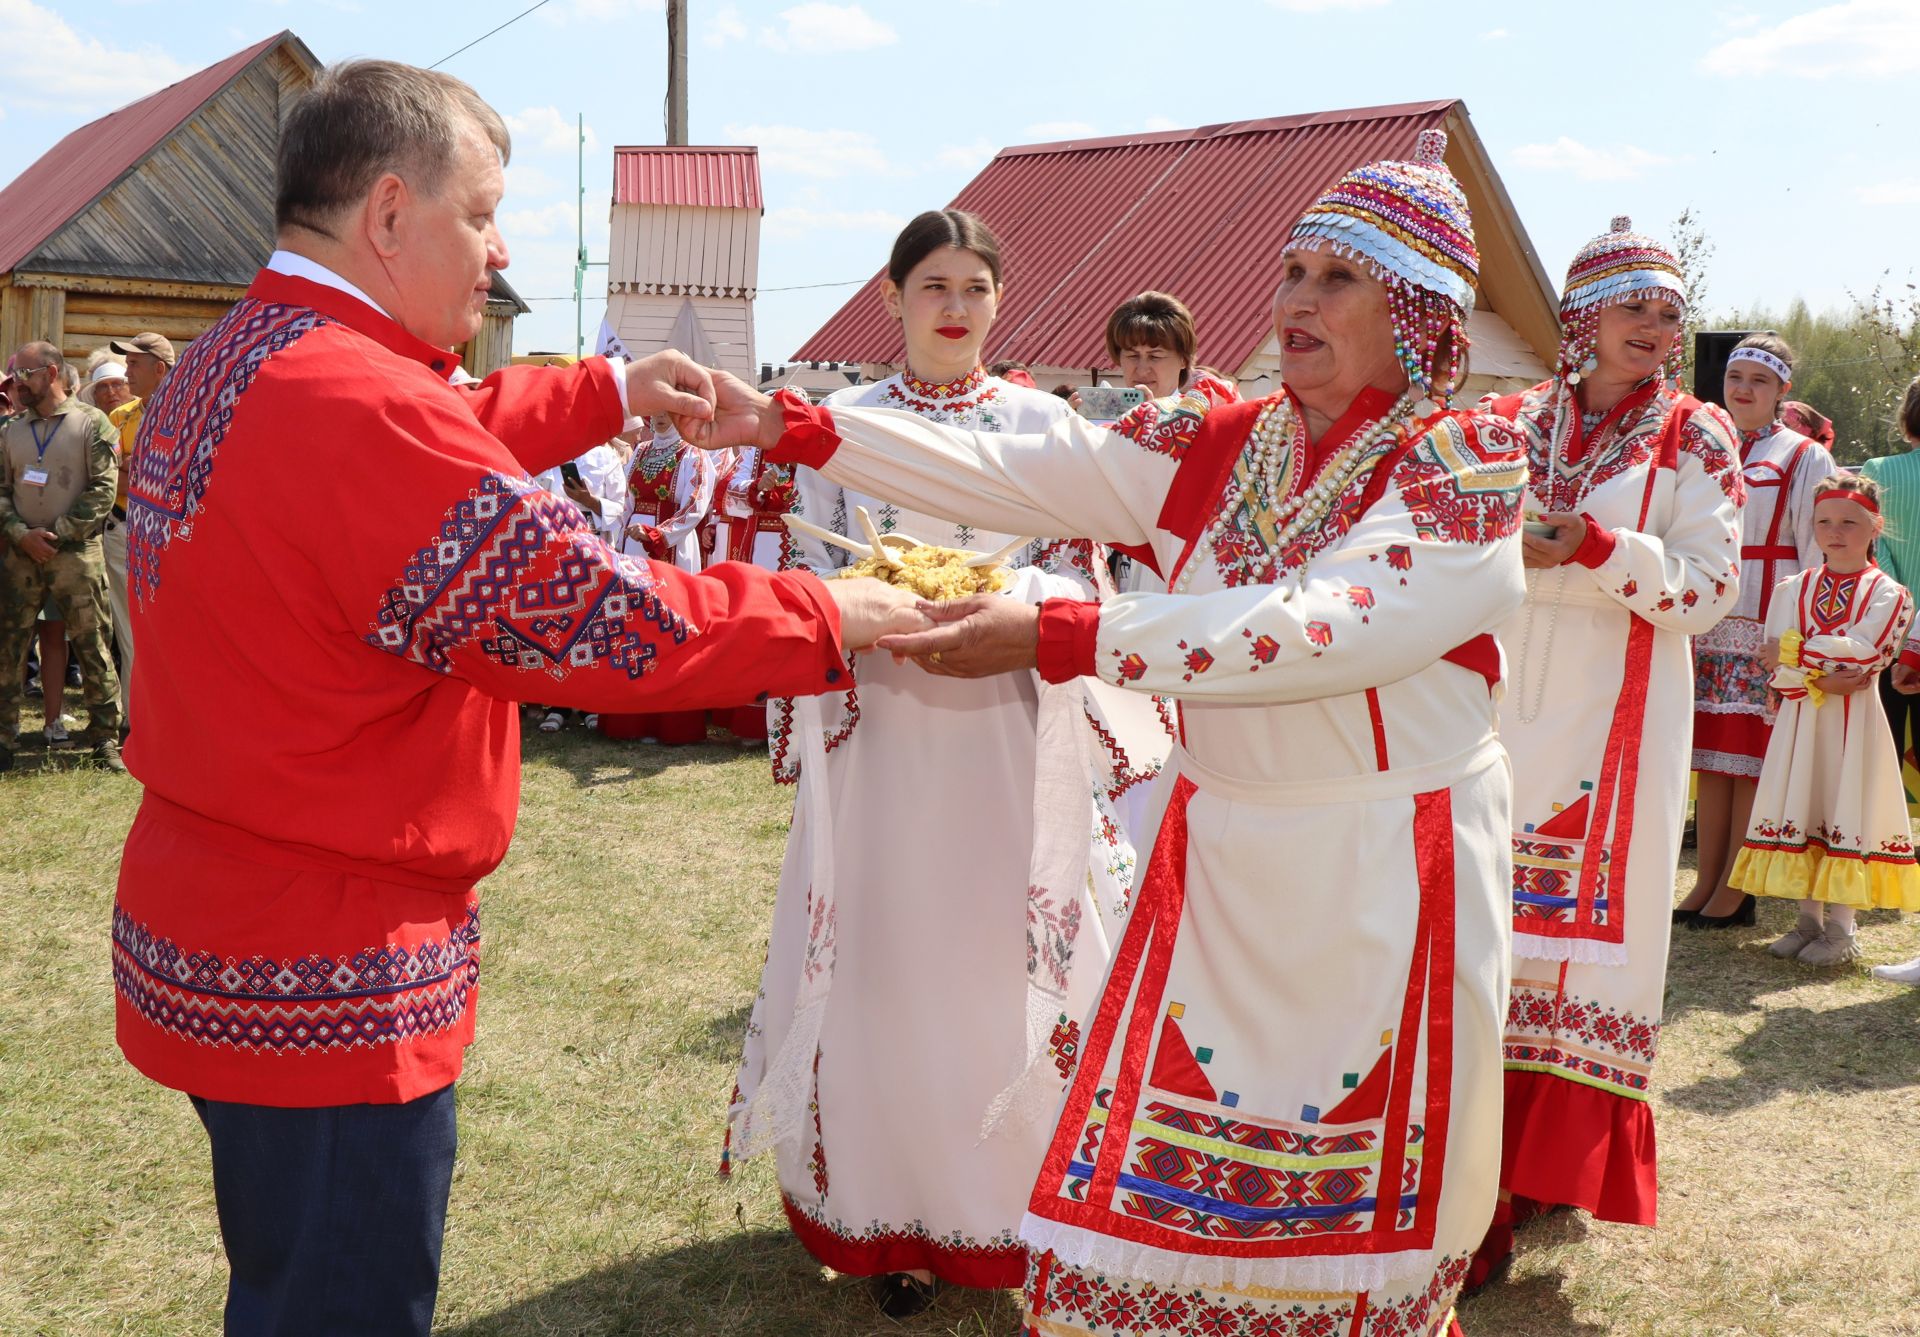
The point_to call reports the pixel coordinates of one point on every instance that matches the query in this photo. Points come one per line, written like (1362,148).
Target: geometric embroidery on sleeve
(495,578)
(1460,485)
(1165,426)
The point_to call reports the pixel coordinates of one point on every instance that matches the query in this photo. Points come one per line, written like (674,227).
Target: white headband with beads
(1765,359)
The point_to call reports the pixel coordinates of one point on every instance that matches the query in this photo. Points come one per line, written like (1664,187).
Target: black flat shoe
(902,1295)
(1743,917)
(1684,916)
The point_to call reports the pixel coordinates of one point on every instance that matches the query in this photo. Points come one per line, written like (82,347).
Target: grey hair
(365,118)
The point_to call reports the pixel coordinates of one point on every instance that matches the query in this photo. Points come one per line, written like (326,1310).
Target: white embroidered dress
(1598,721)
(949,900)
(1303,1017)
(1781,469)
(1830,815)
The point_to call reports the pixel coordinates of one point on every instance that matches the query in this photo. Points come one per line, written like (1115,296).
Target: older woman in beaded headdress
(1284,1110)
(1632,546)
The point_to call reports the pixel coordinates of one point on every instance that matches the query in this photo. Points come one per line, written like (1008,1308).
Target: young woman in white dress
(920,1002)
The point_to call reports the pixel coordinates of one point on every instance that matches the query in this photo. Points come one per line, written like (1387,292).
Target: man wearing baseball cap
(149,357)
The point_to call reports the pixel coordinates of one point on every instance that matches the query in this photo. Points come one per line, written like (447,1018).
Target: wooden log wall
(199,208)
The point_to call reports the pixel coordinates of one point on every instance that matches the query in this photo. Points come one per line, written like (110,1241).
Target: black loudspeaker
(1710,350)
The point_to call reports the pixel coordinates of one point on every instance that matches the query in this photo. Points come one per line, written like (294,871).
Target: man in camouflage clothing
(57,475)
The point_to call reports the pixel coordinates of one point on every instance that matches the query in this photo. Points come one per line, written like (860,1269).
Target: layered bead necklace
(1258,479)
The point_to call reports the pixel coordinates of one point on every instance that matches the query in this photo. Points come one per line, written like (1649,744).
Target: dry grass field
(623,939)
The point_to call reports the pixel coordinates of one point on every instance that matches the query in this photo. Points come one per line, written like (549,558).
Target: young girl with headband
(1781,468)
(1829,825)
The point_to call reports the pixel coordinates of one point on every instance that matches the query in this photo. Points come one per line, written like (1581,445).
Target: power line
(485,35)
(793,287)
(796,287)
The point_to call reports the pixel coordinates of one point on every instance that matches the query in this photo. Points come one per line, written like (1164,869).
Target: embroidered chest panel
(1628,444)
(651,481)
(1829,602)
(1460,483)
(1248,540)
(973,403)
(183,429)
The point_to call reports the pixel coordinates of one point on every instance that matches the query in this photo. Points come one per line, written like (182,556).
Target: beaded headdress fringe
(1407,223)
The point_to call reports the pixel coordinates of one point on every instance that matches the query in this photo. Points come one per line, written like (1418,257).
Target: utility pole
(580,230)
(580,262)
(676,71)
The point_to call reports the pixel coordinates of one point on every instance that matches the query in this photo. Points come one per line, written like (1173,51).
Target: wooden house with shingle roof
(157,216)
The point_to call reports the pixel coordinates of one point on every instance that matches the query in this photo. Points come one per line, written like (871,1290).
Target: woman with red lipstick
(1731,721)
(1284,1111)
(909,1117)
(1634,500)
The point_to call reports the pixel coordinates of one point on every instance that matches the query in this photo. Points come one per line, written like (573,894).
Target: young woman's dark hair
(942,227)
(1910,410)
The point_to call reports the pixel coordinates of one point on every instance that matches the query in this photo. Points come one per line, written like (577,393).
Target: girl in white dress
(906,1103)
(1829,825)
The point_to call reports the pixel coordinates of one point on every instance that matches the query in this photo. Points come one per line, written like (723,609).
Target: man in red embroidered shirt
(332,632)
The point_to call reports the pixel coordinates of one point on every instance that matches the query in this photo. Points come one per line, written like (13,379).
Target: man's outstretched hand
(741,416)
(669,382)
(974,637)
(870,609)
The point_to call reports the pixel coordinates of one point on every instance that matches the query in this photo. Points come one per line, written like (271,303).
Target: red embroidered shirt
(333,631)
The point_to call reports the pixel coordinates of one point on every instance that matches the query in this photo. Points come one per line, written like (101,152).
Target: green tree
(1853,363)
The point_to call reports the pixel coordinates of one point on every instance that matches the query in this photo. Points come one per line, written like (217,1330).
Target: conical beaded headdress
(1619,265)
(1408,222)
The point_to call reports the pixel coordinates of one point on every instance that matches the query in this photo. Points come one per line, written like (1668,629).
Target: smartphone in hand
(1108,403)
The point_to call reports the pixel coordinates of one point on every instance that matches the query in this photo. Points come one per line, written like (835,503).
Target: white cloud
(967,157)
(50,65)
(545,220)
(1042,131)
(1618,162)
(1905,193)
(793,221)
(725,26)
(544,130)
(525,181)
(1495,35)
(1861,38)
(1324,6)
(815,27)
(817,153)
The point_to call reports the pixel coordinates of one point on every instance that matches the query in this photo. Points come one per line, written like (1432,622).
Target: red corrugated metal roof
(1086,224)
(708,176)
(87,163)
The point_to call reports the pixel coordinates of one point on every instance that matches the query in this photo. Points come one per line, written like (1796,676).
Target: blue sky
(1787,127)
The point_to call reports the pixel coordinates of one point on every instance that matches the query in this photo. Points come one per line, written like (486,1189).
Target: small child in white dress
(1829,825)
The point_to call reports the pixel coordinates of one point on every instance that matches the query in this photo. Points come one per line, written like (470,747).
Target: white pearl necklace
(1528,713)
(1254,487)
